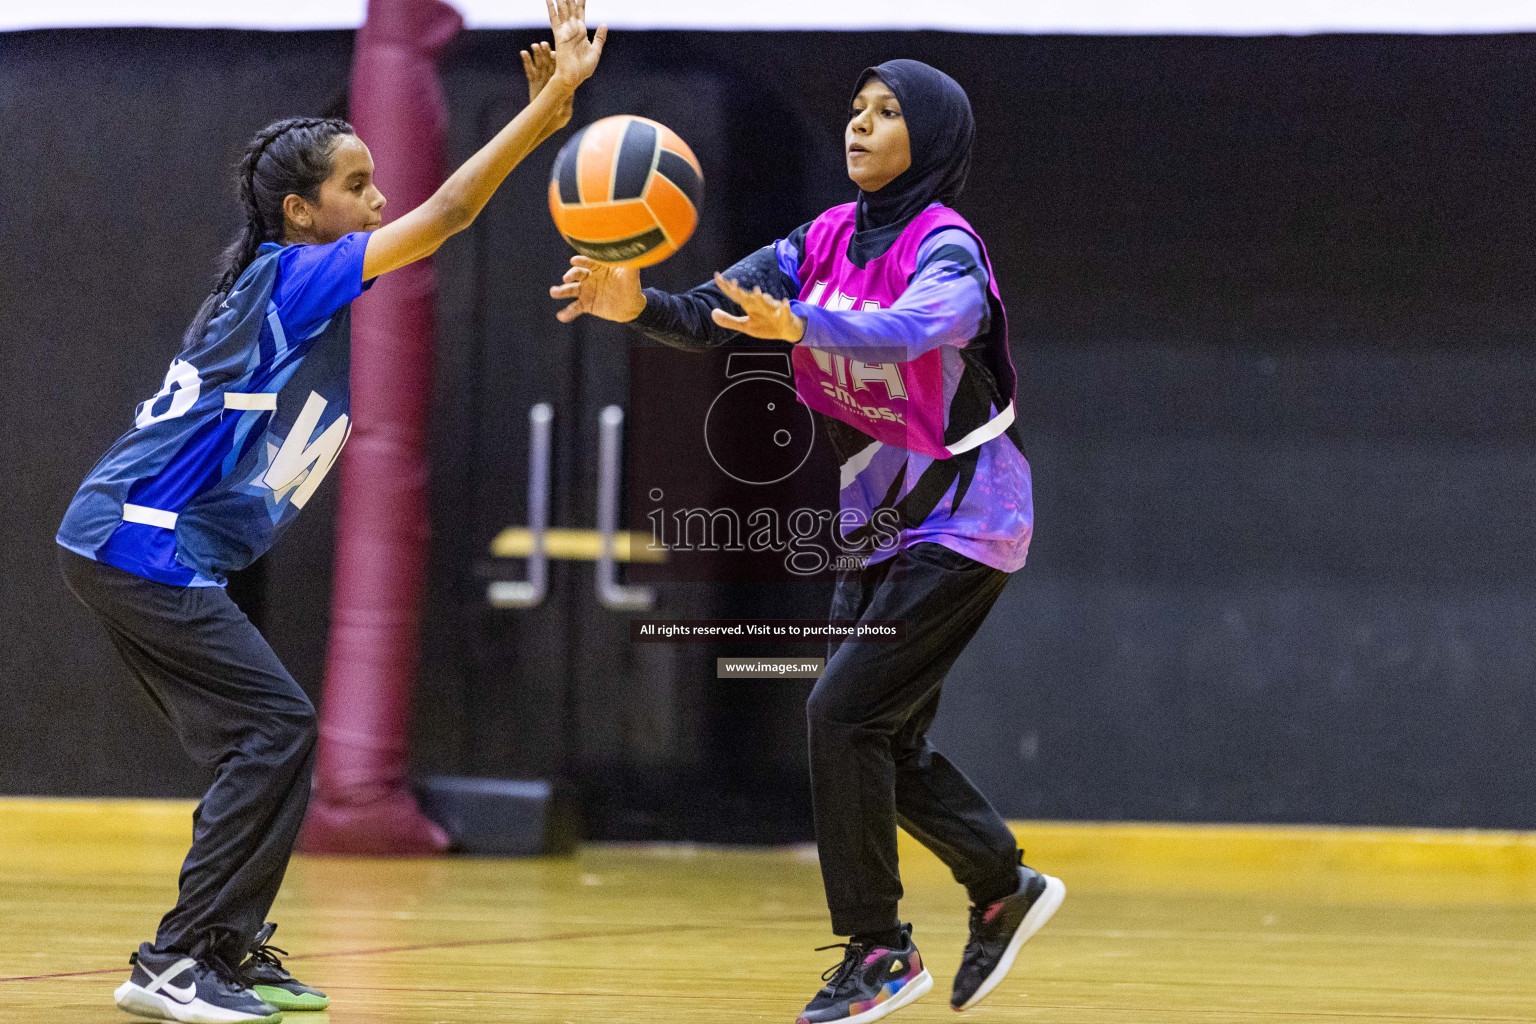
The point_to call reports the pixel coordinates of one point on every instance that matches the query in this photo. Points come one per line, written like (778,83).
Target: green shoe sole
(285,1000)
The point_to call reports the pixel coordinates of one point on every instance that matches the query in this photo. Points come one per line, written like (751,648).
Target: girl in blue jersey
(252,414)
(900,342)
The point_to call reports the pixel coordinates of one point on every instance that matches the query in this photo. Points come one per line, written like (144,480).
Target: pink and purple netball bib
(901,404)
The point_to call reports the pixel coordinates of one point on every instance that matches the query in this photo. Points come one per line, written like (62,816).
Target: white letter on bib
(302,462)
(888,374)
(181,385)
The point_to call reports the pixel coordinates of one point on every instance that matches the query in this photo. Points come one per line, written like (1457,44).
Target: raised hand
(606,291)
(576,56)
(539,66)
(765,316)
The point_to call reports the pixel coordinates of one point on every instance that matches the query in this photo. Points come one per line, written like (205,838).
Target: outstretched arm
(944,304)
(539,66)
(691,319)
(460,199)
(683,320)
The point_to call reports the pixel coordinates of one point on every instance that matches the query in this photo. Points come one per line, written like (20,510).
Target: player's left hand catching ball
(539,66)
(576,56)
(764,316)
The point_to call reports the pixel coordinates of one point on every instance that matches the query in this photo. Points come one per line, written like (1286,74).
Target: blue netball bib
(243,430)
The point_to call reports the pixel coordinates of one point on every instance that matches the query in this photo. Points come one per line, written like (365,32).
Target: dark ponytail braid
(287,157)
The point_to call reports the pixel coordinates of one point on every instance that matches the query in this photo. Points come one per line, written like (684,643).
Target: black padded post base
(502,817)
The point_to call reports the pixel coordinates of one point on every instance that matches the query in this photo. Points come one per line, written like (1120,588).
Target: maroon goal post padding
(361,802)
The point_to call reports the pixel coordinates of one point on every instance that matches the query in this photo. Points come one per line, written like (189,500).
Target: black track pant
(872,766)
(239,714)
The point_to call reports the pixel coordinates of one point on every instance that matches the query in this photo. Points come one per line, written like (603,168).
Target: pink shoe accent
(992,911)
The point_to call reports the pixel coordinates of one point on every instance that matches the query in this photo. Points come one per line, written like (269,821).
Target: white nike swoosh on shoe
(180,993)
(162,982)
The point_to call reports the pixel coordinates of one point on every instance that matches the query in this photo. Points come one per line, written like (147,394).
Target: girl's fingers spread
(602,35)
(725,319)
(569,313)
(584,262)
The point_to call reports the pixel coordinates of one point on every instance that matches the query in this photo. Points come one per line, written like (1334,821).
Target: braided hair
(287,157)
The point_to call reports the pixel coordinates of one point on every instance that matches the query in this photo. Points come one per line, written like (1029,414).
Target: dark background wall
(1269,299)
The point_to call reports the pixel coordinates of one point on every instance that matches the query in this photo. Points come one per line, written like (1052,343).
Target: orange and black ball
(626,190)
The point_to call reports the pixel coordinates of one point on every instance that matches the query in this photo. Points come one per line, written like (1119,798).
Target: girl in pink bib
(900,341)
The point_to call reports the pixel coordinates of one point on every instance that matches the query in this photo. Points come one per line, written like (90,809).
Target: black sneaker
(169,986)
(871,982)
(265,975)
(999,930)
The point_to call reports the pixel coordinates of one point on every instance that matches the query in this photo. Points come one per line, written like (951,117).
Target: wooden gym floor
(1162,925)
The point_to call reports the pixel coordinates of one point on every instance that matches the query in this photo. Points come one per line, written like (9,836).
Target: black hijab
(941,130)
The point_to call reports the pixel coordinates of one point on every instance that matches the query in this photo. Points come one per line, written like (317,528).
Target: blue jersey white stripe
(245,426)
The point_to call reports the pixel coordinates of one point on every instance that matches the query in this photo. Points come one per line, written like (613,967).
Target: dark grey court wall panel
(1265,586)
(1286,702)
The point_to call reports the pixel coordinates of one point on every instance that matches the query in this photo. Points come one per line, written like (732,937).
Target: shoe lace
(838,973)
(210,959)
(266,953)
(219,966)
(973,943)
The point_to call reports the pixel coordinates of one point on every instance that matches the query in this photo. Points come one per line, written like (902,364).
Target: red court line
(66,974)
(1330,1014)
(518,940)
(459,944)
(716,997)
